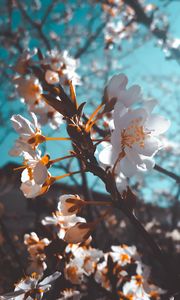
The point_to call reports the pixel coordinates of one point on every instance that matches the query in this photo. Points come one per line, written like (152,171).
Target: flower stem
(49,138)
(99,203)
(52,161)
(66,175)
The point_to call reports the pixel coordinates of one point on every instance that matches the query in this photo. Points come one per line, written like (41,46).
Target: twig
(168,173)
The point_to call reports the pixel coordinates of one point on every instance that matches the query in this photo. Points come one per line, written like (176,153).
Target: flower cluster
(32,287)
(122,21)
(129,142)
(57,68)
(120,267)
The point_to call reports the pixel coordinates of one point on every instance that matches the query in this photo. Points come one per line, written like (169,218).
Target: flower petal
(150,147)
(127,167)
(117,83)
(40,173)
(107,156)
(157,124)
(49,279)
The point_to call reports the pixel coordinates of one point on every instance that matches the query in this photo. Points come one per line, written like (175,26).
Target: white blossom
(29,89)
(35,175)
(134,140)
(29,135)
(29,286)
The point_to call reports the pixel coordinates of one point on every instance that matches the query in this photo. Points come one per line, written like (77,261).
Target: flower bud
(51,77)
(70,204)
(78,233)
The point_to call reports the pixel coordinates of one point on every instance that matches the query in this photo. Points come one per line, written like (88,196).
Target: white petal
(119,110)
(116,140)
(40,173)
(149,105)
(117,83)
(49,279)
(157,124)
(35,121)
(21,124)
(124,121)
(130,96)
(148,164)
(24,175)
(133,156)
(121,183)
(107,157)
(151,146)
(127,167)
(30,189)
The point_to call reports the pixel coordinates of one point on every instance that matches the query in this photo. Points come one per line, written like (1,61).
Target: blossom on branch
(134,140)
(30,135)
(31,287)
(63,68)
(35,178)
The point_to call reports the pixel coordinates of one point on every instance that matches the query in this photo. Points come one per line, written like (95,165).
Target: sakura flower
(36,247)
(31,288)
(134,141)
(74,272)
(30,134)
(83,263)
(123,254)
(35,178)
(29,89)
(34,244)
(89,256)
(63,223)
(92,256)
(64,65)
(135,288)
(24,61)
(69,204)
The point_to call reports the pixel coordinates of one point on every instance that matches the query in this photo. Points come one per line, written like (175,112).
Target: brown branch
(34,24)
(90,40)
(167,173)
(48,11)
